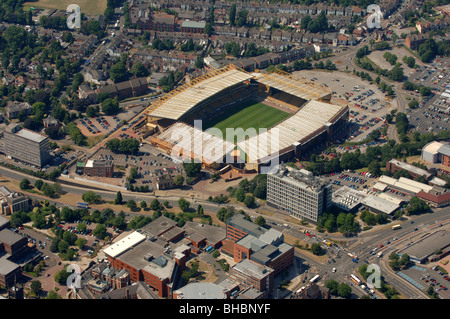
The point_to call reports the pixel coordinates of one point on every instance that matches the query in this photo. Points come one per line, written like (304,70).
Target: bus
(83,205)
(314,279)
(355,279)
(395,227)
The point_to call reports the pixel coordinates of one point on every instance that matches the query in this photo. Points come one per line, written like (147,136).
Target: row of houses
(260,7)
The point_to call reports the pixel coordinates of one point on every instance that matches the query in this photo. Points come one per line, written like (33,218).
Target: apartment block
(26,146)
(298,192)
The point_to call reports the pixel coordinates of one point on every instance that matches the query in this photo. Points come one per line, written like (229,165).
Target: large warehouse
(277,116)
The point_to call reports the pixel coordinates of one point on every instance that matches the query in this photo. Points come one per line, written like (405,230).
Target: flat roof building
(394,165)
(100,168)
(262,246)
(26,146)
(347,198)
(426,247)
(252,275)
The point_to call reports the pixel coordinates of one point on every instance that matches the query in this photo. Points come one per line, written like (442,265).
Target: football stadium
(248,120)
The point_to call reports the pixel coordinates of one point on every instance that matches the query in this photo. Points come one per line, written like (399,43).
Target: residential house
(14,108)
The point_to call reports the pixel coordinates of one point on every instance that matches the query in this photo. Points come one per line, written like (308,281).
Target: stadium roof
(309,121)
(294,86)
(177,103)
(195,143)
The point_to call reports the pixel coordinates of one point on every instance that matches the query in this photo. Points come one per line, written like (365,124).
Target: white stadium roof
(294,86)
(194,142)
(184,101)
(311,118)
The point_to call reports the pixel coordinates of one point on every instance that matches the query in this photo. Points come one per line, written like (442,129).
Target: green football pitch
(245,115)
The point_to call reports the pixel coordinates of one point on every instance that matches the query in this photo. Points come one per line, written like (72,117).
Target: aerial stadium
(248,120)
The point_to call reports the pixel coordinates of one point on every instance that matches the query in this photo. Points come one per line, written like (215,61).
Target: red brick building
(151,255)
(262,246)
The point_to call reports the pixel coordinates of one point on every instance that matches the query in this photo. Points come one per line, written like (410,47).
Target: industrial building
(298,192)
(26,146)
(434,195)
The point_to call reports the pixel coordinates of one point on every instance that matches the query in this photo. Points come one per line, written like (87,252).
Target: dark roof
(8,237)
(249,227)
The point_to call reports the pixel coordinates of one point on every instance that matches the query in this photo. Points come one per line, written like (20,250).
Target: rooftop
(301,178)
(124,244)
(380,204)
(289,84)
(238,221)
(411,168)
(196,143)
(201,290)
(9,237)
(178,102)
(347,198)
(213,234)
(27,134)
(311,119)
(249,268)
(428,245)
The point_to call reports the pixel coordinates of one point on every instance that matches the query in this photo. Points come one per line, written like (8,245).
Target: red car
(381,246)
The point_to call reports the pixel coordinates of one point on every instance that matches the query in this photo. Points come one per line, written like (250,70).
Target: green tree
(91,198)
(140,70)
(260,221)
(249,201)
(232,14)
(69,237)
(344,290)
(155,204)
(38,184)
(333,285)
(179,180)
(24,184)
(81,243)
(61,276)
(119,199)
(110,106)
(417,206)
(100,231)
(118,72)
(184,204)
(36,287)
(131,204)
(316,249)
(192,169)
(143,204)
(240,194)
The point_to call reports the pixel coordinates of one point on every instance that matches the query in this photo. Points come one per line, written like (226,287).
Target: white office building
(298,193)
